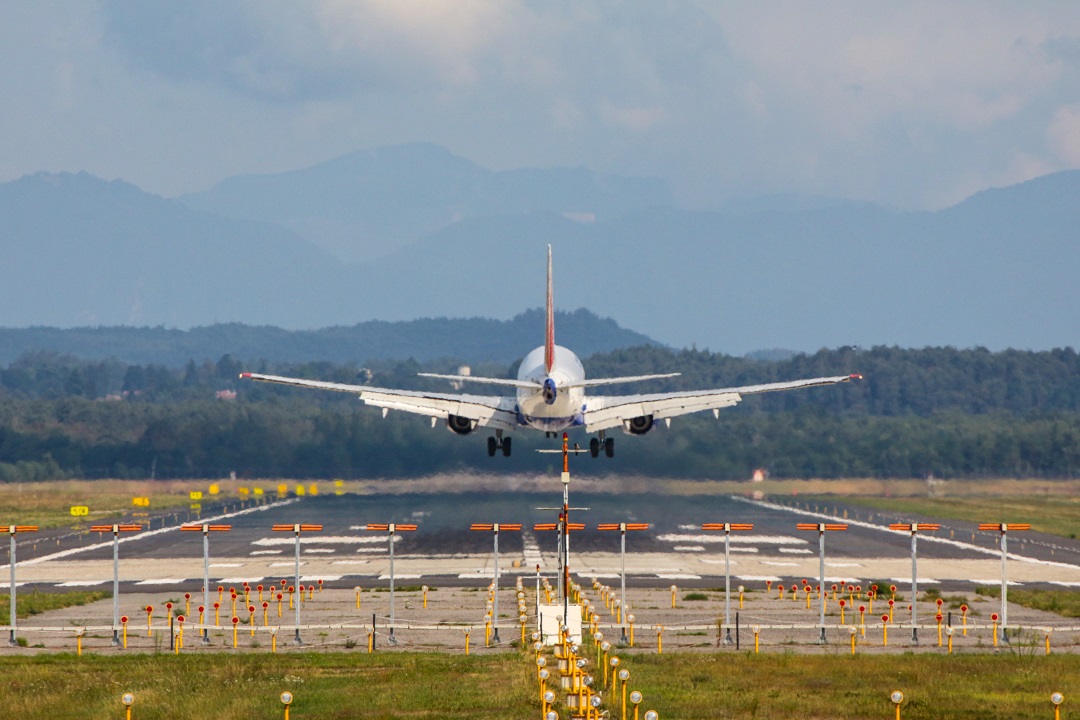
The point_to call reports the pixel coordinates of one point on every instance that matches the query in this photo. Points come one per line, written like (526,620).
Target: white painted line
(317,578)
(240,580)
(598,576)
(780,564)
(149,533)
(477,575)
(758,578)
(350,562)
(81,583)
(842,564)
(372,550)
(678,576)
(689,548)
(318,550)
(739,539)
(1065,583)
(401,576)
(796,551)
(325,540)
(286,564)
(266,552)
(162,581)
(744,550)
(907,580)
(992,582)
(214,565)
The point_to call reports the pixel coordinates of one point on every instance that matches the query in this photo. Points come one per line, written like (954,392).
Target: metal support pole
(914,586)
(622,592)
(390,635)
(11,640)
(1004,587)
(495,609)
(206,579)
(821,575)
(727,583)
(296,638)
(116,584)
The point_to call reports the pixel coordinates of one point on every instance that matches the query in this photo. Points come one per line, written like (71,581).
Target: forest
(940,412)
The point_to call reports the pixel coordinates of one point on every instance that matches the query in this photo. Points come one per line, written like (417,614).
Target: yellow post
(273,641)
(467,641)
(994,619)
(149,617)
(674,590)
(949,632)
(741,590)
(757,632)
(1048,641)
(425,600)
(370,641)
(217,614)
(357,597)
(963,618)
(938,618)
(78,643)
(123,625)
(251,619)
(235,636)
(279,597)
(659,639)
(310,591)
(884,630)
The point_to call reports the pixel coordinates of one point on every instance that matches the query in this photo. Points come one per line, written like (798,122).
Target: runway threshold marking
(148,533)
(904,533)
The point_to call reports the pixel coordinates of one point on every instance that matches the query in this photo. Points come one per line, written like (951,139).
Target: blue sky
(908,104)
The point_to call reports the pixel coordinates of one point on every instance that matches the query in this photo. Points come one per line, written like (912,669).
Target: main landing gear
(607,443)
(496,442)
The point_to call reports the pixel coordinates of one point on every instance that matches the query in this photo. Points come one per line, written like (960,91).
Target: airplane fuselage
(554,406)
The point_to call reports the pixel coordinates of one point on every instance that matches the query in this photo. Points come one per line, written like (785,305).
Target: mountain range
(413,231)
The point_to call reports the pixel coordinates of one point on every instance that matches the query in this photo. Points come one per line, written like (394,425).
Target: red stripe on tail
(549,339)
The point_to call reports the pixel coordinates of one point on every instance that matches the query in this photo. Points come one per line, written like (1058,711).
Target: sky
(912,105)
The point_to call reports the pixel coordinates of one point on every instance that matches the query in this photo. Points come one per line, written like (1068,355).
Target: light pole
(14,530)
(391,529)
(622,528)
(1004,529)
(297,529)
(206,530)
(821,529)
(115,530)
(914,529)
(727,528)
(494,528)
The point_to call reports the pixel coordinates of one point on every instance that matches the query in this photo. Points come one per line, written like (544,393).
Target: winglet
(245,376)
(549,339)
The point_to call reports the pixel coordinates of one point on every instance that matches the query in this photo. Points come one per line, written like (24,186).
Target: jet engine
(639,425)
(460,425)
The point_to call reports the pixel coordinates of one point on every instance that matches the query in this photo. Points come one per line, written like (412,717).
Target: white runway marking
(81,583)
(215,565)
(678,576)
(689,548)
(162,581)
(149,533)
(266,552)
(992,582)
(921,580)
(240,580)
(372,550)
(842,564)
(287,564)
(318,550)
(350,562)
(401,576)
(325,540)
(738,539)
(317,578)
(779,564)
(758,578)
(796,551)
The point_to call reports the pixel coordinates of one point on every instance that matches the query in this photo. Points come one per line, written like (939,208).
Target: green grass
(325,686)
(1063,602)
(695,596)
(1052,515)
(773,685)
(35,603)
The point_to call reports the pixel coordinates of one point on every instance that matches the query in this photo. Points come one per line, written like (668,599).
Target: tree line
(935,411)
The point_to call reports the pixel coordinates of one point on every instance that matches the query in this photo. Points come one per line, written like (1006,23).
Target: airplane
(550,396)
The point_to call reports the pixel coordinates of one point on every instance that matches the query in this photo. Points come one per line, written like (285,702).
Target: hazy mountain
(995,270)
(367,204)
(474,340)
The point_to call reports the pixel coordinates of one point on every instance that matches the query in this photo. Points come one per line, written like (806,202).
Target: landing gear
(497,442)
(597,442)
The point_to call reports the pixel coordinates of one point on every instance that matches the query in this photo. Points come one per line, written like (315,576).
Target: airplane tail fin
(549,338)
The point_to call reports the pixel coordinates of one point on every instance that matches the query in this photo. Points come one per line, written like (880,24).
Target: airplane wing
(484,410)
(604,412)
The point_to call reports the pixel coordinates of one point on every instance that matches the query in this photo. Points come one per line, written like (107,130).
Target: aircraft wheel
(609,447)
(506,447)
(492,446)
(594,447)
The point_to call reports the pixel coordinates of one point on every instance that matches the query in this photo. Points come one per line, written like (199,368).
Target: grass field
(422,685)
(34,603)
(1063,602)
(1054,515)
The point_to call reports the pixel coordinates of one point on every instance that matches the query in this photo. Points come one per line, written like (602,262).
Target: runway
(444,551)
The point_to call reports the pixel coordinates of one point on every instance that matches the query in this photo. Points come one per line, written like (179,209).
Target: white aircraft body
(550,396)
